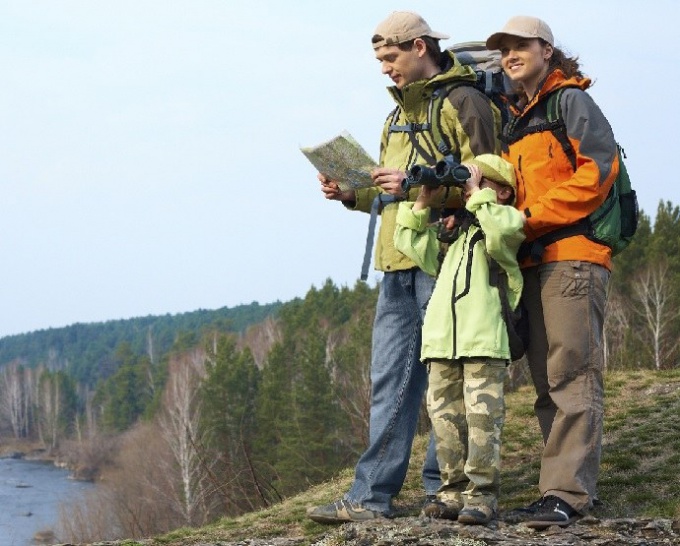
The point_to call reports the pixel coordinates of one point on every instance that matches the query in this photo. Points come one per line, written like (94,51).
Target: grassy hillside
(639,477)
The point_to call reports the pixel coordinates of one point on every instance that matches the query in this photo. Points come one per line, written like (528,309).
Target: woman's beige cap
(524,27)
(402,26)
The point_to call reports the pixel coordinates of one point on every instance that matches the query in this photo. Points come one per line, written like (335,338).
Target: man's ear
(421,46)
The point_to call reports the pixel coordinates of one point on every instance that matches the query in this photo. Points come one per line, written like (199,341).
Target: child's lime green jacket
(463,317)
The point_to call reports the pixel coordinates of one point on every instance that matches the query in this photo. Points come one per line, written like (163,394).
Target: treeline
(227,422)
(87,351)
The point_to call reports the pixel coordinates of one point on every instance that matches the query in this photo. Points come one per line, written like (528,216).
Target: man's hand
(389,180)
(331,190)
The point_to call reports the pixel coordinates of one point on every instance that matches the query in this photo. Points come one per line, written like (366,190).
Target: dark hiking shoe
(521,514)
(341,511)
(434,508)
(553,511)
(476,515)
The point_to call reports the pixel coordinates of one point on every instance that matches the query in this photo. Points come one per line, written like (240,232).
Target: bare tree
(654,292)
(13,398)
(259,338)
(179,425)
(616,324)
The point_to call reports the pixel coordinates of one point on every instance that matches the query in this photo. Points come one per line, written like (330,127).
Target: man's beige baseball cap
(402,26)
(524,27)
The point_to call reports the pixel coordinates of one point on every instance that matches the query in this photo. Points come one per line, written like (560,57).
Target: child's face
(503,193)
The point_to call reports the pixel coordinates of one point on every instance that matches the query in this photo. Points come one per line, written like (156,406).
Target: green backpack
(614,222)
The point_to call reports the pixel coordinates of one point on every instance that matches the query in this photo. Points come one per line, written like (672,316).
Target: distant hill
(85,351)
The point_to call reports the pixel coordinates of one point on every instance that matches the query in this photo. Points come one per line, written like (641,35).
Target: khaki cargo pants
(566,303)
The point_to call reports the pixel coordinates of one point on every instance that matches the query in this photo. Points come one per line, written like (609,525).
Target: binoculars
(445,173)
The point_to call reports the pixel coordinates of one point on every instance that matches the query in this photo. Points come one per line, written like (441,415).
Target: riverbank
(25,449)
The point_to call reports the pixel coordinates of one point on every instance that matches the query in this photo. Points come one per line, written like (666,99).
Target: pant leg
(398,383)
(537,349)
(483,386)
(573,297)
(446,409)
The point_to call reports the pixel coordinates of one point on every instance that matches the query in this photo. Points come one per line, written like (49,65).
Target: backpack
(491,80)
(614,222)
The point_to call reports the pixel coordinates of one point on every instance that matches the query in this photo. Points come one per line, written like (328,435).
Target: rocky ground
(418,531)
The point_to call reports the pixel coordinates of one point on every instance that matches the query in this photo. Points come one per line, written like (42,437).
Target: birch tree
(654,292)
(179,422)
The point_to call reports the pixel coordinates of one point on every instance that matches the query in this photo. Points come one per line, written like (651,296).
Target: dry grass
(639,477)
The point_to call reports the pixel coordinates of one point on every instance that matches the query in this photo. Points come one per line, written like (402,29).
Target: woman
(565,158)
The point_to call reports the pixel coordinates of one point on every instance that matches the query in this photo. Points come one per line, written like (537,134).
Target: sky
(149,149)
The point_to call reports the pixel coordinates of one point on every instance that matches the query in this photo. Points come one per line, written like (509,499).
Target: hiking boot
(341,511)
(434,508)
(553,511)
(476,515)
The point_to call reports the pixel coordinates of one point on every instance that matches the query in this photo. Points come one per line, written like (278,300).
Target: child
(465,339)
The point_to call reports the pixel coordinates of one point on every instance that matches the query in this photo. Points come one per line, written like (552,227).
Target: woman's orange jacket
(549,191)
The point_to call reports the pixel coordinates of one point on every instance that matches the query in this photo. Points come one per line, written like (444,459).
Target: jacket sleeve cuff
(415,220)
(363,199)
(479,198)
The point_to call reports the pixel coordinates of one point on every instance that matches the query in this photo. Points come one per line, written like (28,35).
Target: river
(30,494)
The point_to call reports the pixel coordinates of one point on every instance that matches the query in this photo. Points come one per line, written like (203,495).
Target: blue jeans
(398,384)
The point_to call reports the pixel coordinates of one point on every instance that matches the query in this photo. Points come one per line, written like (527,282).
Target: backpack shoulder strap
(433,125)
(558,126)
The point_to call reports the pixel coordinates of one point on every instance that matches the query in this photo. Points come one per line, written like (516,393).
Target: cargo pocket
(575,281)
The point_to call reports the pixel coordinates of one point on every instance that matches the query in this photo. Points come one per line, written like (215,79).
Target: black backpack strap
(516,336)
(411,129)
(534,249)
(433,126)
(558,127)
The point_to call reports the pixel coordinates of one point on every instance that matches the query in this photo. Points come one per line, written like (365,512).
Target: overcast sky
(149,150)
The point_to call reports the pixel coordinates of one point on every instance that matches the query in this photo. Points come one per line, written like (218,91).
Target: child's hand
(472,184)
(428,197)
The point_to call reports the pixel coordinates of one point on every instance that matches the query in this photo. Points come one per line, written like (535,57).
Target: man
(409,53)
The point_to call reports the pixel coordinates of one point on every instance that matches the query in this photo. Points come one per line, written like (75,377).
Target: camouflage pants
(466,406)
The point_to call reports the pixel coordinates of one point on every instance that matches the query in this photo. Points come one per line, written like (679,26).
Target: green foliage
(86,351)
(124,397)
(301,422)
(228,395)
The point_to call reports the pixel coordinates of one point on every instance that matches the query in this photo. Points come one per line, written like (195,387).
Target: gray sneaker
(342,511)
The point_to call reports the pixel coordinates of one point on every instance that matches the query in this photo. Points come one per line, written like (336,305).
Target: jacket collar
(453,71)
(552,82)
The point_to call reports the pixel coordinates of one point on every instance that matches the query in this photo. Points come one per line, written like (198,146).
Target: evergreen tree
(124,397)
(229,396)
